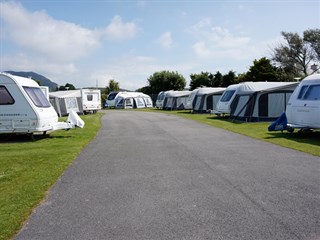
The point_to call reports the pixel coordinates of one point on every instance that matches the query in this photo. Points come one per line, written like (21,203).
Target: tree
(145,89)
(164,81)
(217,79)
(312,38)
(112,87)
(199,80)
(295,56)
(68,86)
(262,70)
(206,79)
(228,79)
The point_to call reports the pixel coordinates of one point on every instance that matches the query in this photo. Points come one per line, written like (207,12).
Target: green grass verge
(29,168)
(308,142)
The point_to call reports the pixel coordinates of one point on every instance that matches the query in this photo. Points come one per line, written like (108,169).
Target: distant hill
(37,77)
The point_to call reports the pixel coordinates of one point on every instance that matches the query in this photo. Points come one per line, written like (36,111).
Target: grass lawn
(308,142)
(29,168)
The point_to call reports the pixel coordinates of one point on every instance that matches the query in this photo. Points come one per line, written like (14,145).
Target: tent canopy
(206,99)
(208,90)
(176,100)
(133,100)
(65,94)
(247,87)
(260,101)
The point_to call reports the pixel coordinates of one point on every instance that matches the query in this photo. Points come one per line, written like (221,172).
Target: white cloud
(55,48)
(217,42)
(23,62)
(135,70)
(165,40)
(131,74)
(40,33)
(118,30)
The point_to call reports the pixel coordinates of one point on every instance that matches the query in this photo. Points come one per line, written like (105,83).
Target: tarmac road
(156,176)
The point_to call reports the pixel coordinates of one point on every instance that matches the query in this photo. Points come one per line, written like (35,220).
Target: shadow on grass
(308,137)
(225,119)
(311,137)
(23,138)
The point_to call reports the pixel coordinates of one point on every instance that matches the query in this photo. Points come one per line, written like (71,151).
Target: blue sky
(89,42)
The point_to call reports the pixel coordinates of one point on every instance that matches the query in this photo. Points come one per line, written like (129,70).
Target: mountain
(43,81)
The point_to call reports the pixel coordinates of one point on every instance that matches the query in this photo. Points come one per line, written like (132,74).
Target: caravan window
(5,96)
(89,97)
(161,96)
(227,95)
(313,93)
(302,92)
(37,97)
(112,95)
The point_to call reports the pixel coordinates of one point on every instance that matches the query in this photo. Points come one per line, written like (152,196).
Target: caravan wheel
(290,130)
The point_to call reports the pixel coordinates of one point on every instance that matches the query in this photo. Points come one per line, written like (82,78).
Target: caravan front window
(112,95)
(5,96)
(160,96)
(227,95)
(37,97)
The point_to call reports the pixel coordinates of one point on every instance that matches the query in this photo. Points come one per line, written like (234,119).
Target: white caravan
(160,98)
(91,100)
(81,101)
(111,100)
(303,109)
(25,109)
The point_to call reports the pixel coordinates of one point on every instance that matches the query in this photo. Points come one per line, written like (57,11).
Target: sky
(89,42)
